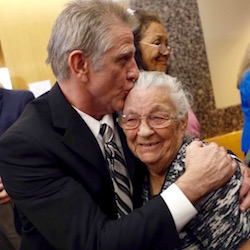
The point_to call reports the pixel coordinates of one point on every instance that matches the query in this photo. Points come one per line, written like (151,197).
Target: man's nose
(133,73)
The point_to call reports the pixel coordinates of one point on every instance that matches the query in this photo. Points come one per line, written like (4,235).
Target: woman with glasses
(153,52)
(154,121)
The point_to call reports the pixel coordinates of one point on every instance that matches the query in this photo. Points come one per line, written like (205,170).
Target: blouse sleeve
(219,223)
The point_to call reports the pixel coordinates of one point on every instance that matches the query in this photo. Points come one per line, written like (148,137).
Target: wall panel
(25,27)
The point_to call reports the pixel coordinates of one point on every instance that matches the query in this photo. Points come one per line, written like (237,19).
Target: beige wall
(226,28)
(2,62)
(25,27)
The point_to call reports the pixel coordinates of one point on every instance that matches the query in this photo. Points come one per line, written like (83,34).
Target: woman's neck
(156,182)
(157,175)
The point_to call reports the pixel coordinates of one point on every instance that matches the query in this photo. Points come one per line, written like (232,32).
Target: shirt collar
(95,124)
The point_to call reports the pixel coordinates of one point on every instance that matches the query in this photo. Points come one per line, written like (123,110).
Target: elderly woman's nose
(144,128)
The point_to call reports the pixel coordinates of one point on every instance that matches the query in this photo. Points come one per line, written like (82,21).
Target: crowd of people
(105,161)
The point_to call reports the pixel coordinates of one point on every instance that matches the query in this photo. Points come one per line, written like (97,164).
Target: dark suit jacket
(53,168)
(12,103)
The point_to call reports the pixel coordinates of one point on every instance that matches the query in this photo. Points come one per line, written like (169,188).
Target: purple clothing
(193,125)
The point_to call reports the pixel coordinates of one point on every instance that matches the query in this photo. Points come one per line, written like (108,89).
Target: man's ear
(78,64)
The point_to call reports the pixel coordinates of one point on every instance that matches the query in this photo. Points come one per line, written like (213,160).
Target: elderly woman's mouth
(149,144)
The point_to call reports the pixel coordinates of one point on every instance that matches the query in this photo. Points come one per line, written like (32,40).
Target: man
(12,103)
(52,160)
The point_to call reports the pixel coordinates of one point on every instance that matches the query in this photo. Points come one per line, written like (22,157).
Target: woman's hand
(245,188)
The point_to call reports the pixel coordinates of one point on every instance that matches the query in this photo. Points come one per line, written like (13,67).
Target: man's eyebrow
(127,51)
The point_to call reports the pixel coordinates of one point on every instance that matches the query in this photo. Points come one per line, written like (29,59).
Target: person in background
(65,162)
(243,84)
(153,53)
(12,103)
(154,120)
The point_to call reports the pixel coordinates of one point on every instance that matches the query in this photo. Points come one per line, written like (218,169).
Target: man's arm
(207,169)
(60,211)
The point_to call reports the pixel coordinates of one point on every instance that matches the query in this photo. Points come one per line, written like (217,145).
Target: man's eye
(124,58)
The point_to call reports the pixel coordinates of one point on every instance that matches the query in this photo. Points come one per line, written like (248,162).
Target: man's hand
(245,188)
(4,197)
(207,169)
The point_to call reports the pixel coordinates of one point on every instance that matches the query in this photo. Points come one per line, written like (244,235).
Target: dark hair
(145,18)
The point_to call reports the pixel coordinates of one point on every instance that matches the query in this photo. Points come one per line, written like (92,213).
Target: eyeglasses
(162,48)
(156,120)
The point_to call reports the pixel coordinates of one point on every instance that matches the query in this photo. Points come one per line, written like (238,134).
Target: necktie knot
(107,133)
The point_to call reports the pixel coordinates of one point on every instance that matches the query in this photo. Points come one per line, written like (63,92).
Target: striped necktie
(118,172)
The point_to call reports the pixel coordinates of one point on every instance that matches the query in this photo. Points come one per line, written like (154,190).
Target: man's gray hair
(85,25)
(153,79)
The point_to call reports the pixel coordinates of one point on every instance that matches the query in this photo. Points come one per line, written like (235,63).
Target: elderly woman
(153,53)
(154,120)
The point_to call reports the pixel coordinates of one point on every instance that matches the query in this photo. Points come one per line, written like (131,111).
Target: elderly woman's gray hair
(181,98)
(84,25)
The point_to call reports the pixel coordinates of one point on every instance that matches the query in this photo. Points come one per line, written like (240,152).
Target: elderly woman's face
(153,58)
(153,145)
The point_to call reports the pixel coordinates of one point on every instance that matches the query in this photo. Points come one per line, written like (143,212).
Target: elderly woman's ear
(183,124)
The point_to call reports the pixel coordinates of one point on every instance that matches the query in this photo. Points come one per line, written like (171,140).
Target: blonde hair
(245,65)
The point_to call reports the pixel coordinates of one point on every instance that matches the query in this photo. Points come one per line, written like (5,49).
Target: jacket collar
(77,134)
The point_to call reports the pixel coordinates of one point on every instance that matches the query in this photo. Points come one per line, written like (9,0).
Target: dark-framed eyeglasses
(162,48)
(155,120)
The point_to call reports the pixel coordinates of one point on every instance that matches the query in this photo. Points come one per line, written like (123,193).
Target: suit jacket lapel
(77,135)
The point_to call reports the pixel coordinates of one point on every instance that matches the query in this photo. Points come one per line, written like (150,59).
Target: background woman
(153,52)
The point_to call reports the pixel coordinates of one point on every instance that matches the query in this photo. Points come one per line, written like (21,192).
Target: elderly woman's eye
(131,119)
(159,118)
